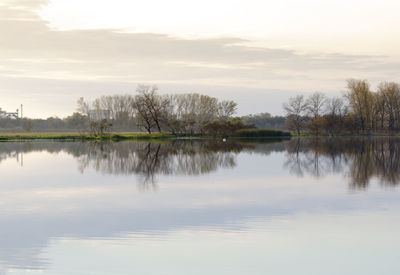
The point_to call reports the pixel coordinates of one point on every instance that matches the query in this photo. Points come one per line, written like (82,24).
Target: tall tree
(154,104)
(143,117)
(295,110)
(335,111)
(226,109)
(315,106)
(390,94)
(316,103)
(360,99)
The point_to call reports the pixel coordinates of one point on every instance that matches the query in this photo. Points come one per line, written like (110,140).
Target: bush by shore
(251,133)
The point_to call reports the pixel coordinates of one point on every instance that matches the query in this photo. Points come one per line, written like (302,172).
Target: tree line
(179,114)
(147,110)
(265,121)
(359,111)
(73,122)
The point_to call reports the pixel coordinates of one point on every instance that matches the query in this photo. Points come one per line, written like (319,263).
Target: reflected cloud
(89,204)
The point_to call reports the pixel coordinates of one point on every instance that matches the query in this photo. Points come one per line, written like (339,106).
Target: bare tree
(360,99)
(390,96)
(98,119)
(154,104)
(184,113)
(194,111)
(315,106)
(335,111)
(120,108)
(83,106)
(207,110)
(295,110)
(316,103)
(143,117)
(226,109)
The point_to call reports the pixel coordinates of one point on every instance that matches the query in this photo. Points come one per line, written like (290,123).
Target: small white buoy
(224,139)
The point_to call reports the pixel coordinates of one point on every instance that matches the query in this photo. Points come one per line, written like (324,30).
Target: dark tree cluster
(359,111)
(74,122)
(179,114)
(265,121)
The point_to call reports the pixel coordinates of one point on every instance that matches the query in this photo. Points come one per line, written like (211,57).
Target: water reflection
(146,160)
(21,248)
(87,203)
(359,159)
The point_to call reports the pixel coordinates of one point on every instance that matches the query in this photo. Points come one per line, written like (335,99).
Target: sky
(257,53)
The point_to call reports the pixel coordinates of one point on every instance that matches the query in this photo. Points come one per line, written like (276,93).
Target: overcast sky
(255,52)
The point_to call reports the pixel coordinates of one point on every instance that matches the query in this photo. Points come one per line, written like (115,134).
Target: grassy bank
(310,135)
(254,133)
(78,136)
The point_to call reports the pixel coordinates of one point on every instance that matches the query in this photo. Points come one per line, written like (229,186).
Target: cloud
(25,4)
(32,50)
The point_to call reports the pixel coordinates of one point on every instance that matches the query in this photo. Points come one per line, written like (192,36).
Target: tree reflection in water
(361,159)
(146,160)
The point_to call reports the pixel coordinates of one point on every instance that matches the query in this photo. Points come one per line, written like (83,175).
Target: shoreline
(4,137)
(81,137)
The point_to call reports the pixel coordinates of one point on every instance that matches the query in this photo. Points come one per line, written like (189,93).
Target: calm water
(200,207)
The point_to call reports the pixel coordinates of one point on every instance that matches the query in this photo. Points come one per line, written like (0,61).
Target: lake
(300,206)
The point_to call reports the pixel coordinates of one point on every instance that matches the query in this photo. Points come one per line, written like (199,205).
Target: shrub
(225,128)
(261,133)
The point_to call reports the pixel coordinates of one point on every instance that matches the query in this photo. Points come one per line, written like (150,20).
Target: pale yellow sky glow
(255,52)
(358,26)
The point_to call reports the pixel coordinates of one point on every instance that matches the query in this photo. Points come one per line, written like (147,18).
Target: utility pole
(22,111)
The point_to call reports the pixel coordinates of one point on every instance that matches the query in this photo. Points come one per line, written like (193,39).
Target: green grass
(256,133)
(78,136)
(322,135)
(121,136)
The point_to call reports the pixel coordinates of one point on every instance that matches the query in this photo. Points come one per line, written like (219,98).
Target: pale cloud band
(50,67)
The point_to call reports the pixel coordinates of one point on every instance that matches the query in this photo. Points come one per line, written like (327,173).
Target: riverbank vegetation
(146,111)
(177,114)
(359,111)
(80,136)
(252,133)
(257,133)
